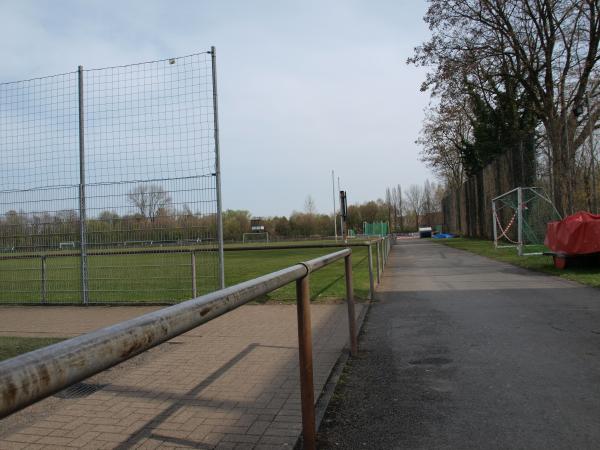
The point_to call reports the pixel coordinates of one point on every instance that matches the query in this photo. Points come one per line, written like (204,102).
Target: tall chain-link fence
(467,210)
(109,184)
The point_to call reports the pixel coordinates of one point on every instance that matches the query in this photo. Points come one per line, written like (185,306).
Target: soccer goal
(255,237)
(520,217)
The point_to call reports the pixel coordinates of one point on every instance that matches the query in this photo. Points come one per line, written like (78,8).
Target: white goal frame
(255,233)
(518,217)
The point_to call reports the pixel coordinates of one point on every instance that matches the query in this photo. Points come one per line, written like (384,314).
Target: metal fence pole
(44,299)
(494,222)
(306,363)
(377,263)
(194,287)
(371,281)
(350,301)
(387,249)
(520,221)
(213,55)
(82,212)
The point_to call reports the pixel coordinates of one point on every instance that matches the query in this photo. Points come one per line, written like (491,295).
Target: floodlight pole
(83,267)
(341,218)
(334,210)
(213,56)
(520,220)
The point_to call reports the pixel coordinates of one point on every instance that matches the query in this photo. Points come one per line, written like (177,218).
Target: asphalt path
(462,352)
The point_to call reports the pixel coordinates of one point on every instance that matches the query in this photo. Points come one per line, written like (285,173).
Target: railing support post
(194,287)
(378,258)
(371,281)
(387,249)
(306,363)
(350,301)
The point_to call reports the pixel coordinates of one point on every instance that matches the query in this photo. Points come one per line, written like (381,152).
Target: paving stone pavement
(231,383)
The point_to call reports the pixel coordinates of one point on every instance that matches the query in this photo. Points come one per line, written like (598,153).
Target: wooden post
(350,301)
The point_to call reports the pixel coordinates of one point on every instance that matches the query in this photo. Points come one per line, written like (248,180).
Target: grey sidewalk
(231,383)
(462,352)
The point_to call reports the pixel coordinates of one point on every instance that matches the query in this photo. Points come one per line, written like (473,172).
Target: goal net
(255,237)
(520,217)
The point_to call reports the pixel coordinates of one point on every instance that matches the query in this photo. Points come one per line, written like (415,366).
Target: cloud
(304,87)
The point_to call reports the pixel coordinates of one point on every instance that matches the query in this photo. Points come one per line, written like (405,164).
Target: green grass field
(11,346)
(167,277)
(540,263)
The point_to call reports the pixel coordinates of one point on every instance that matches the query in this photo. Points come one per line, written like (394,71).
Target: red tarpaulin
(578,234)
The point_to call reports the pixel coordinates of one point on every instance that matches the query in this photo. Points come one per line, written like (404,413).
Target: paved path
(63,321)
(463,352)
(231,383)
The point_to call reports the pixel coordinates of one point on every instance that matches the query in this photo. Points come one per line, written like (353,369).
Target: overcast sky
(305,87)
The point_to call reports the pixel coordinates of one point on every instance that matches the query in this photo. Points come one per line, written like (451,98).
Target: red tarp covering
(578,234)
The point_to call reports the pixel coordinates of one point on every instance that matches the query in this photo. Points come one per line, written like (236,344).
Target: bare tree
(390,207)
(149,199)
(446,129)
(399,206)
(414,201)
(429,207)
(545,52)
(309,205)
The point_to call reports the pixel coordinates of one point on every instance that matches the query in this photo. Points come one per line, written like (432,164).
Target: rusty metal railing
(36,375)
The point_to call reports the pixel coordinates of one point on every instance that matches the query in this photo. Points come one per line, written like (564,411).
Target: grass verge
(584,275)
(11,346)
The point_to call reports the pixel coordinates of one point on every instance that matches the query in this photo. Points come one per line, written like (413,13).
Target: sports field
(165,277)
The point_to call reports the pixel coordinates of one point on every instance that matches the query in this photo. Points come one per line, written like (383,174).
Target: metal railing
(36,375)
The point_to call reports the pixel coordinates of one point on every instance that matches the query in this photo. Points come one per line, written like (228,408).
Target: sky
(304,87)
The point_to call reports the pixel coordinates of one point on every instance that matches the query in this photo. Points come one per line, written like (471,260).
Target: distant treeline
(157,220)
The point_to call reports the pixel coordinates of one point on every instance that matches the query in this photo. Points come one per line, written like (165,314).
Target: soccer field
(166,277)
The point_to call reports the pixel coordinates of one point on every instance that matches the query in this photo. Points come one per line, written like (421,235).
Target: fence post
(371,282)
(388,247)
(306,362)
(213,55)
(350,301)
(82,212)
(194,287)
(377,265)
(44,299)
(520,221)
(494,222)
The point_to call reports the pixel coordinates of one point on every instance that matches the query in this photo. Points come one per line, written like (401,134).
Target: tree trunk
(560,173)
